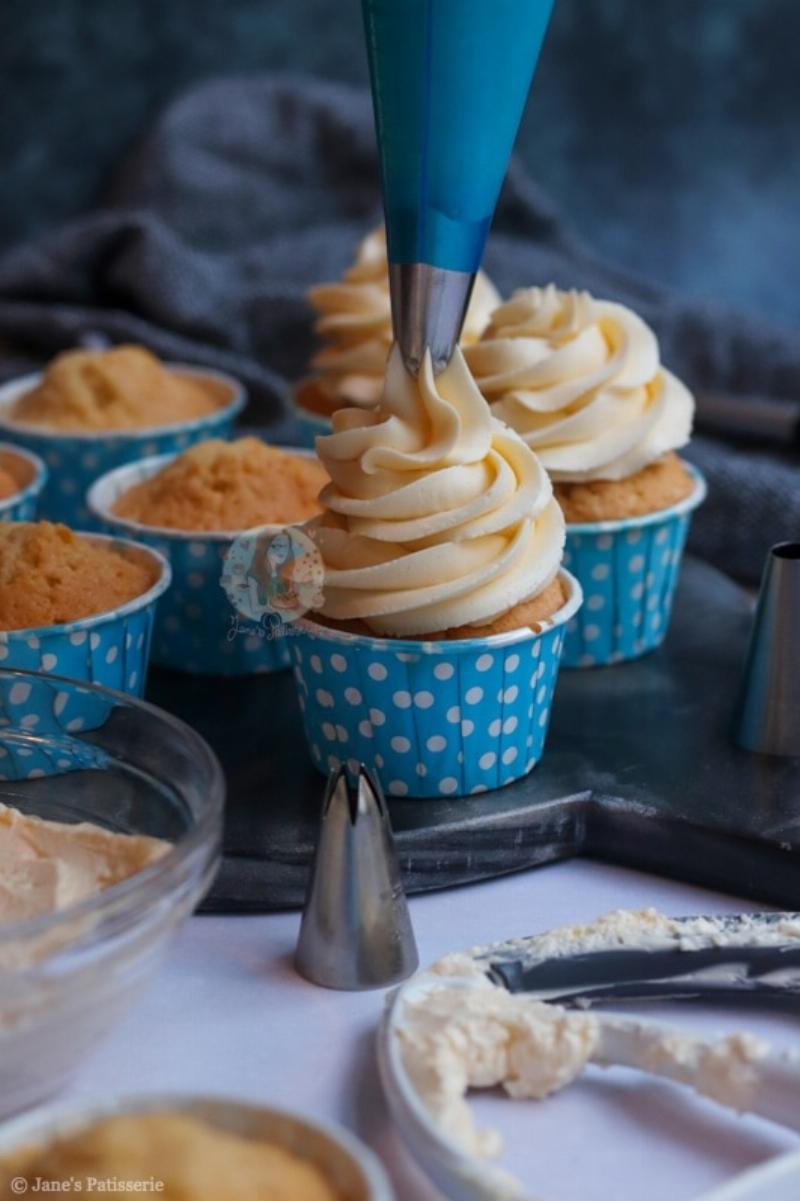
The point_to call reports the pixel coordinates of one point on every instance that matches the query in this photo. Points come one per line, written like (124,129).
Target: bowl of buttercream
(109,836)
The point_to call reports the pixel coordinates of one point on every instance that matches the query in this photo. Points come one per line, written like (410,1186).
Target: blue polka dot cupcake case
(629,571)
(111,649)
(75,461)
(432,719)
(23,505)
(197,627)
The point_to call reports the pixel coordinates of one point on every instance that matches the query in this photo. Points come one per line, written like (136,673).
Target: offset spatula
(747,957)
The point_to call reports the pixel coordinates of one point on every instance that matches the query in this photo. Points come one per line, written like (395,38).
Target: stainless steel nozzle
(428,309)
(356,932)
(769,708)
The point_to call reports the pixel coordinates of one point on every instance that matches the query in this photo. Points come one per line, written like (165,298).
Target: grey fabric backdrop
(665,130)
(247,191)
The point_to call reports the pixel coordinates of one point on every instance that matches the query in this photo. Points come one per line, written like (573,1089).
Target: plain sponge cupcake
(219,485)
(120,389)
(49,575)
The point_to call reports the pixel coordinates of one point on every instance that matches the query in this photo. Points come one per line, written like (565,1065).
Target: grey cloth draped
(249,190)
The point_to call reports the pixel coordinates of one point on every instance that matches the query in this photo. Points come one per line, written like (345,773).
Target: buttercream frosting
(581,380)
(354,323)
(50,865)
(456,1039)
(437,515)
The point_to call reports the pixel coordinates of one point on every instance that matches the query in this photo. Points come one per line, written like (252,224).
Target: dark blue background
(667,130)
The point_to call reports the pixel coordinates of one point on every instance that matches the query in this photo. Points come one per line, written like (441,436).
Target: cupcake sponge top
(219,485)
(123,388)
(49,575)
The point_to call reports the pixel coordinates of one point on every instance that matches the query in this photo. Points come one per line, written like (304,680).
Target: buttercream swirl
(354,323)
(581,381)
(438,516)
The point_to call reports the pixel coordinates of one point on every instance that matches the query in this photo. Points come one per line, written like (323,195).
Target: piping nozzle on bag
(449,82)
(356,931)
(769,706)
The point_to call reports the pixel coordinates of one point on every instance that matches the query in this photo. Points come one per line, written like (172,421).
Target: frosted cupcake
(581,381)
(354,327)
(435,652)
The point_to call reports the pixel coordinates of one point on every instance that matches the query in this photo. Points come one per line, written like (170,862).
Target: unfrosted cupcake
(581,381)
(196,509)
(434,654)
(76,605)
(91,410)
(354,327)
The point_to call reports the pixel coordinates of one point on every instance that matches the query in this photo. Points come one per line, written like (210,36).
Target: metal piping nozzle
(428,309)
(769,707)
(356,932)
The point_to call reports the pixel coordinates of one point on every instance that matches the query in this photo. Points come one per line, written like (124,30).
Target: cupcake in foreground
(582,383)
(187,1157)
(354,325)
(194,508)
(93,409)
(434,653)
(76,605)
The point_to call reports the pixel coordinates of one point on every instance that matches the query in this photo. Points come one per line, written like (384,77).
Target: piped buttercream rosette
(438,516)
(582,383)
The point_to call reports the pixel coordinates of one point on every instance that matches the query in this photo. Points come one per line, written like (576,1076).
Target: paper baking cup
(76,460)
(41,722)
(628,570)
(196,629)
(23,505)
(432,719)
(111,649)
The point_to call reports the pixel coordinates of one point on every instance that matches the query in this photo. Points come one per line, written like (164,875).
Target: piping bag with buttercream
(449,81)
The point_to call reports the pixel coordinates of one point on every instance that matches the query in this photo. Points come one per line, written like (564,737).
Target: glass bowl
(65,976)
(351,1168)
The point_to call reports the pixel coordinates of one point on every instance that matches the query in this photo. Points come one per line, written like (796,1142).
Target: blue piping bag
(449,82)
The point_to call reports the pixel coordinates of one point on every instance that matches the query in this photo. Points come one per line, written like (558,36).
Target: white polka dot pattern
(75,462)
(456,719)
(629,573)
(197,628)
(111,649)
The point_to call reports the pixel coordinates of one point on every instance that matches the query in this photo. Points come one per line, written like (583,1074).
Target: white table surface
(227,1014)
